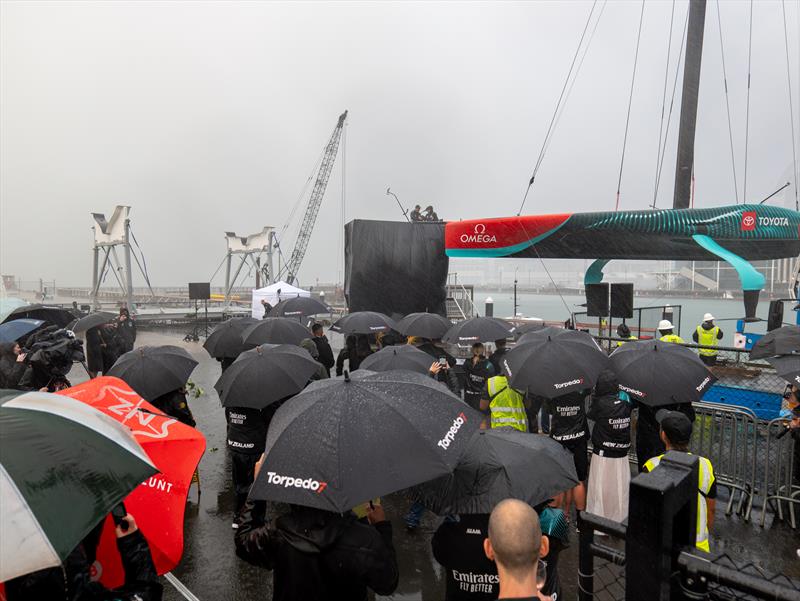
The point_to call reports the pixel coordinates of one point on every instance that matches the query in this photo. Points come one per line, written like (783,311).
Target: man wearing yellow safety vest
(676,432)
(708,335)
(624,332)
(505,406)
(666,334)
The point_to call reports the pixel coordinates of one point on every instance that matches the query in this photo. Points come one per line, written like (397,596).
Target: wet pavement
(211,570)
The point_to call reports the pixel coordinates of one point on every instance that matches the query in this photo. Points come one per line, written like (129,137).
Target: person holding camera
(73,582)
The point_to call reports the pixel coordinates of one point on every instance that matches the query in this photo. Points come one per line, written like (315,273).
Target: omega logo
(479,237)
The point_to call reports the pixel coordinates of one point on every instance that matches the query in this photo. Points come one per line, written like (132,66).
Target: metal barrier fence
(601,565)
(781,484)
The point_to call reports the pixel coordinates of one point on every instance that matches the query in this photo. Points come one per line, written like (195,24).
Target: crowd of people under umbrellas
(396,417)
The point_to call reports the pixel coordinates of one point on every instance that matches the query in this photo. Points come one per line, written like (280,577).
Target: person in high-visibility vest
(708,335)
(676,432)
(505,406)
(666,334)
(623,331)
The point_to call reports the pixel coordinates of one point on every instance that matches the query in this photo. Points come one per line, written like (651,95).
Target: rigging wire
(747,114)
(578,70)
(791,107)
(630,103)
(663,101)
(727,104)
(555,112)
(671,105)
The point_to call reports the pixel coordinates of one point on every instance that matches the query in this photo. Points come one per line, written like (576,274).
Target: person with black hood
(497,356)
(356,349)
(323,347)
(477,369)
(73,580)
(610,473)
(247,438)
(174,404)
(12,364)
(126,331)
(318,555)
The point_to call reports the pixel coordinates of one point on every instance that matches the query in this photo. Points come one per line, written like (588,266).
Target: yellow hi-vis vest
(707,338)
(506,406)
(628,339)
(671,338)
(706,479)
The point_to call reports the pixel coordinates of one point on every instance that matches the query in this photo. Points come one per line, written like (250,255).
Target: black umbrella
(275,330)
(91,321)
(344,441)
(364,322)
(12,331)
(478,329)
(551,366)
(659,373)
(299,306)
(542,332)
(265,374)
(402,356)
(52,315)
(225,341)
(782,341)
(529,326)
(787,367)
(154,370)
(424,325)
(500,464)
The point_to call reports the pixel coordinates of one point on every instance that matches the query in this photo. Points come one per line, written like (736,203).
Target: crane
(292,266)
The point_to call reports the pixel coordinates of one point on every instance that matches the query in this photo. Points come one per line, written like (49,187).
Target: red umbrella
(158,503)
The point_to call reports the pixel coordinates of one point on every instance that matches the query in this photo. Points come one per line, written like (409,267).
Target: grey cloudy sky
(207,117)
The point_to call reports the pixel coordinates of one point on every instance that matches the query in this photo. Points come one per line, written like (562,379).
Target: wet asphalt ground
(211,570)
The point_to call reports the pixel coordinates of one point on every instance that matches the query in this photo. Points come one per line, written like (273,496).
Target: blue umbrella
(12,331)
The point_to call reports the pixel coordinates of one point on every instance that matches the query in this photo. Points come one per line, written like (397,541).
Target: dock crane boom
(312,209)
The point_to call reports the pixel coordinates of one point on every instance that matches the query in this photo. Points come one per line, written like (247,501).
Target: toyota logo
(748,220)
(480,229)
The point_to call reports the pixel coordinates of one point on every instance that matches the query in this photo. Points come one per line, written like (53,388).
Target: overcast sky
(209,117)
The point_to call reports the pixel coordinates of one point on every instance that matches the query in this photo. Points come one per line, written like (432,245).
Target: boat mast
(691,87)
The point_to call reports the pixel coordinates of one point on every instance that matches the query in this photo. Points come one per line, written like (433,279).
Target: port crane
(288,272)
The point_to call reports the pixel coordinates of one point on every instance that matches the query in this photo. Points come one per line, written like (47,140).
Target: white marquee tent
(273,294)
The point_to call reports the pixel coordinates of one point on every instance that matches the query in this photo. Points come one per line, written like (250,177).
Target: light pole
(515,291)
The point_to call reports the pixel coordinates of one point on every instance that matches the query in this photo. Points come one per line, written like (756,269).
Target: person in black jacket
(74,583)
(12,364)
(323,347)
(497,356)
(317,555)
(610,474)
(458,547)
(175,405)
(648,431)
(477,369)
(446,376)
(126,331)
(356,349)
(247,436)
(569,427)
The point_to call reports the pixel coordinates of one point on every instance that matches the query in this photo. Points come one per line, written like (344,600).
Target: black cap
(676,425)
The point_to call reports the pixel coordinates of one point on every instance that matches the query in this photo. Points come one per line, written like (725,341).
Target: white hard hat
(708,317)
(665,324)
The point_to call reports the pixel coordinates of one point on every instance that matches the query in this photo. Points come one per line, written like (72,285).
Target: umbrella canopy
(344,441)
(225,341)
(265,374)
(8,304)
(530,326)
(275,330)
(91,321)
(12,331)
(364,322)
(424,325)
(781,341)
(787,367)
(542,332)
(299,306)
(154,370)
(403,356)
(659,373)
(501,464)
(158,503)
(551,366)
(63,466)
(52,315)
(478,329)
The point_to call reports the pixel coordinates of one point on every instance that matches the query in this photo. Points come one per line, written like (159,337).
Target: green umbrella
(63,466)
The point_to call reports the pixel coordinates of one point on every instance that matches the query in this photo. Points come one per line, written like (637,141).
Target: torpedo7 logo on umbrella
(748,221)
(450,435)
(294,482)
